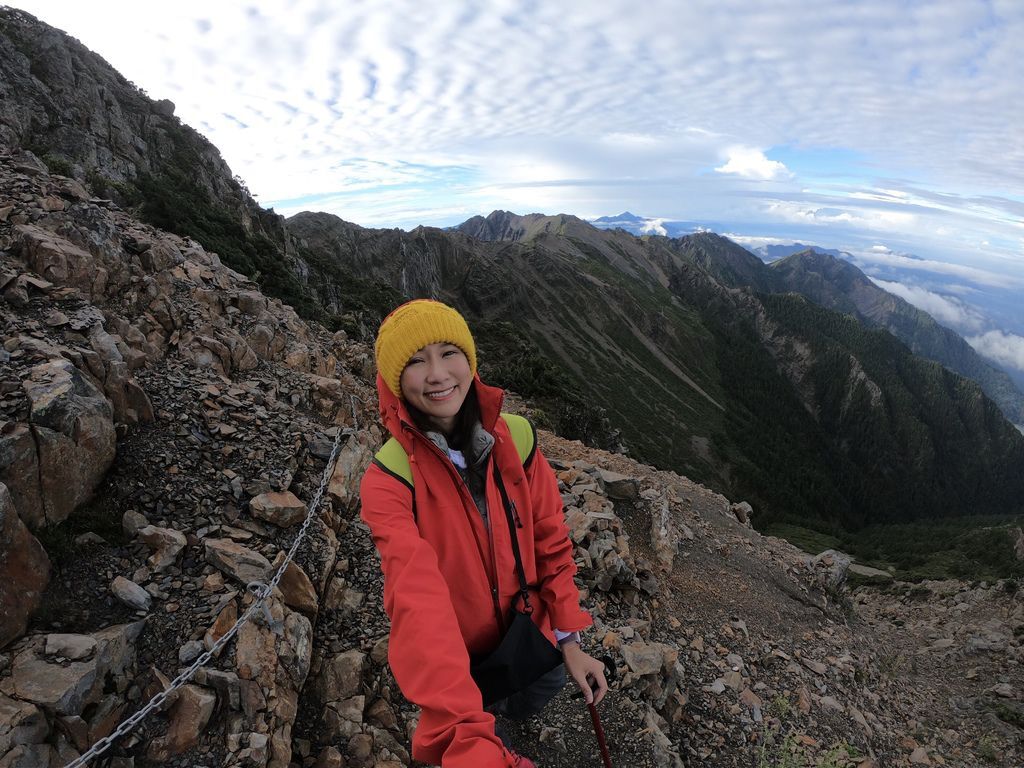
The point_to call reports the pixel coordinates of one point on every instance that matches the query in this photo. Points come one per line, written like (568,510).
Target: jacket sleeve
(426,651)
(553,549)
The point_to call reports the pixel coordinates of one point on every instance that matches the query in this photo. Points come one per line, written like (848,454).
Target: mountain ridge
(611,292)
(635,331)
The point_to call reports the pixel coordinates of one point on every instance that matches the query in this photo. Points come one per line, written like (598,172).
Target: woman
(450,573)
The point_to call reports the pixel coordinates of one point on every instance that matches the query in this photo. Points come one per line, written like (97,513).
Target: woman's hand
(587,671)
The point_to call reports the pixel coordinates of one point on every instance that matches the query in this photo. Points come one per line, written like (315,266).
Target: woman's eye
(448,352)
(414,360)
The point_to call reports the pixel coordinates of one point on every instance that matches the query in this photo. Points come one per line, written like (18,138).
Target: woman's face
(436,381)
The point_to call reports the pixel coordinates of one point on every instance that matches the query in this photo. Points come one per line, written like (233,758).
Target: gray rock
(643,658)
(617,486)
(188,717)
(226,684)
(190,651)
(832,568)
(71,647)
(60,689)
(553,738)
(341,677)
(30,756)
(167,544)
(236,561)
(24,571)
(74,429)
(1003,690)
(132,522)
(743,513)
(21,723)
(282,508)
(131,594)
(353,459)
(87,538)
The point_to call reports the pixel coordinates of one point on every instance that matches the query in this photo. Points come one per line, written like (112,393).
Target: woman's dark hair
(465,419)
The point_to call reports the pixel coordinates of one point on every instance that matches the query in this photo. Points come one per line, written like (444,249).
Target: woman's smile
(444,394)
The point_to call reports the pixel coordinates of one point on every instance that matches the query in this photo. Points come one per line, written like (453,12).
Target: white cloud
(751,163)
(881,255)
(654,227)
(757,241)
(947,310)
(1005,348)
(876,219)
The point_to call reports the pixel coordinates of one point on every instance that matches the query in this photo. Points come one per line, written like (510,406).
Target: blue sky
(878,127)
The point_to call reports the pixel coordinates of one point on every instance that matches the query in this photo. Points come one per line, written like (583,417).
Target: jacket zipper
(493,575)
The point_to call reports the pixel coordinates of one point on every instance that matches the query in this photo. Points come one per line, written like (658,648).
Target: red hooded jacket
(439,569)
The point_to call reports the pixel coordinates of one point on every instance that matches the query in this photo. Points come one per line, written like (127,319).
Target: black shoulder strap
(510,512)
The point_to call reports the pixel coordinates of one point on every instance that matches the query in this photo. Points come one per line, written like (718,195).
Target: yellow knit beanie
(413,326)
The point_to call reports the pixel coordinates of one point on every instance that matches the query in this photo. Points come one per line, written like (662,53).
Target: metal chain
(261,592)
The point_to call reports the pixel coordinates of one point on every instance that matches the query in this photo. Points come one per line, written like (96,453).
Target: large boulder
(353,459)
(66,688)
(272,657)
(21,724)
(24,571)
(60,261)
(166,544)
(618,486)
(830,569)
(19,471)
(74,430)
(341,676)
(189,715)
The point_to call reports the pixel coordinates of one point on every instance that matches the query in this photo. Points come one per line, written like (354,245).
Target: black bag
(524,653)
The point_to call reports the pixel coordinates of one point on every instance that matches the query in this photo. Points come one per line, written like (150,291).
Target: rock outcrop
(24,571)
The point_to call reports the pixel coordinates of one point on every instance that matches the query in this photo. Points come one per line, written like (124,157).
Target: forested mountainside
(644,344)
(756,394)
(836,284)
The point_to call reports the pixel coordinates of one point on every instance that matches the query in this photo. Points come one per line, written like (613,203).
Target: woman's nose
(435,369)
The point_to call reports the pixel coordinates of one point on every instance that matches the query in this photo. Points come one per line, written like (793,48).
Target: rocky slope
(163,424)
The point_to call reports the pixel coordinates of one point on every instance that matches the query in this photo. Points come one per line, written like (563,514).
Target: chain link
(261,592)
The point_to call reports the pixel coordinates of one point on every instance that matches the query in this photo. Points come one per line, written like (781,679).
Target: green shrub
(58,165)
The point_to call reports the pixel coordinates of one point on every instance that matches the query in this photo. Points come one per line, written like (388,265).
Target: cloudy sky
(888,128)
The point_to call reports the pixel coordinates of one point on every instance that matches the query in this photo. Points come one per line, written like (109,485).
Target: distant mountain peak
(624,217)
(501,225)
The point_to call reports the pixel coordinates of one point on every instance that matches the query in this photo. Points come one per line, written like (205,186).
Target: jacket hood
(393,410)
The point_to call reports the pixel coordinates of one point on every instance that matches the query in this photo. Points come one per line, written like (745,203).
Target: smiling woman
(478,565)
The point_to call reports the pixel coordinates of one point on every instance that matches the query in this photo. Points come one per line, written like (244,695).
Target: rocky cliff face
(70,106)
(81,117)
(729,648)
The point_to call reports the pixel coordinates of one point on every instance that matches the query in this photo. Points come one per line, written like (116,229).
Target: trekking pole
(599,732)
(609,671)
